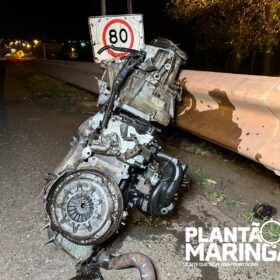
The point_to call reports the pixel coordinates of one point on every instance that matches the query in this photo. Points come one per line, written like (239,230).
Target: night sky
(68,19)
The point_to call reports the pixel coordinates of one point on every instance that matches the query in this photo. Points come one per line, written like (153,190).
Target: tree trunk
(237,62)
(206,66)
(228,67)
(267,65)
(252,66)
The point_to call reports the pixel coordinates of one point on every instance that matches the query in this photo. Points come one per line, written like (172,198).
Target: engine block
(117,162)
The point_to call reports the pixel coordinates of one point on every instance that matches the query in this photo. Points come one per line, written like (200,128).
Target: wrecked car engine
(117,163)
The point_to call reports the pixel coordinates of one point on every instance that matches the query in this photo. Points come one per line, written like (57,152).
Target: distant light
(16,42)
(23,44)
(20,53)
(28,46)
(73,49)
(83,44)
(36,42)
(13,50)
(11,43)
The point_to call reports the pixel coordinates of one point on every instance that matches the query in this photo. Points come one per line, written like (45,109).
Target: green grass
(47,87)
(212,189)
(208,183)
(44,87)
(201,180)
(248,217)
(217,197)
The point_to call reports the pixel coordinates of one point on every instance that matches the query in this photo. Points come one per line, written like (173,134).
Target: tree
(240,26)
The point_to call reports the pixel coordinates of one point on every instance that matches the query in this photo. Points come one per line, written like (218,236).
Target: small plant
(201,180)
(217,197)
(208,183)
(213,190)
(247,217)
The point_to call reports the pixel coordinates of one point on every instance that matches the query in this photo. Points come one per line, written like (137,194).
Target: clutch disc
(85,206)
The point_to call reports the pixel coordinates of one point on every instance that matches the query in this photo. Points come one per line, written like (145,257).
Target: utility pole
(129,6)
(103,7)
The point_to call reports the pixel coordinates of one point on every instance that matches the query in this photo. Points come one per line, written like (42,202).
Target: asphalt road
(33,140)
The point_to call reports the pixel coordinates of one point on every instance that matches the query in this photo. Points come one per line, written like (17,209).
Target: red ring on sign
(110,51)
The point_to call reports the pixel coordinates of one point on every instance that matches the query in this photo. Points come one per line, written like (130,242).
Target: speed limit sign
(121,31)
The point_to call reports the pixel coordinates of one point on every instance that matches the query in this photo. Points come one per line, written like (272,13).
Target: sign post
(125,31)
(103,7)
(129,6)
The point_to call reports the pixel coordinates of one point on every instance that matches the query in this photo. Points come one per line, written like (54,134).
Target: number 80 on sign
(121,31)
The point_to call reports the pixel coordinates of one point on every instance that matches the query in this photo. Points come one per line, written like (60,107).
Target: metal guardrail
(239,112)
(81,74)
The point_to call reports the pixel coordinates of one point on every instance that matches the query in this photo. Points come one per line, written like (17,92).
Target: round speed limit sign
(120,31)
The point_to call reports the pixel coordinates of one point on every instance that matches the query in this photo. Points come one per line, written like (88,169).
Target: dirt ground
(35,136)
